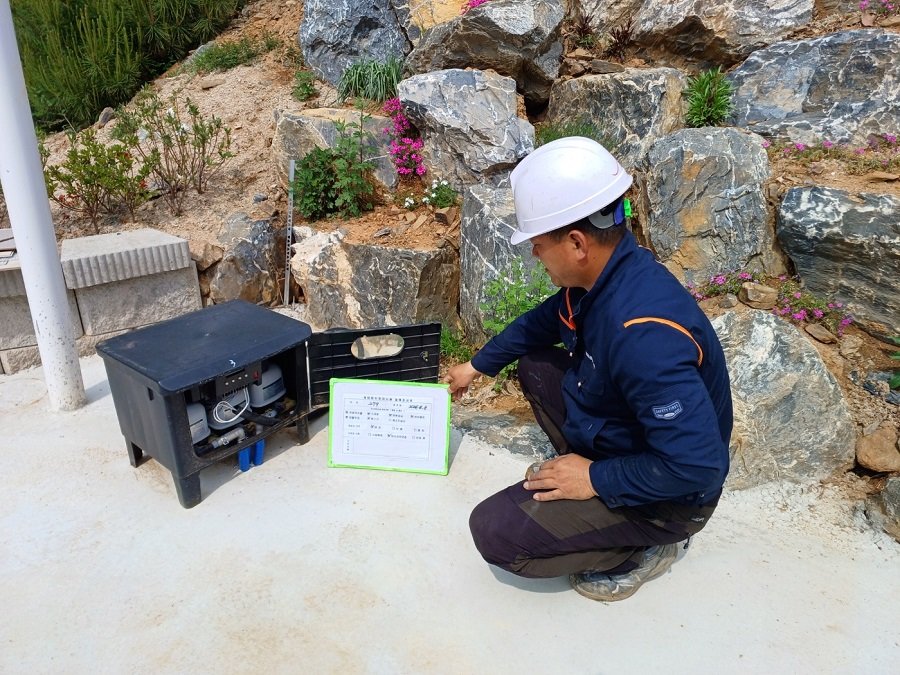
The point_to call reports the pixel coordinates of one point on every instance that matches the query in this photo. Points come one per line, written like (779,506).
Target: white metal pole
(29,213)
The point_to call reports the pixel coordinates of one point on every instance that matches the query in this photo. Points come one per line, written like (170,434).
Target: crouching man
(636,402)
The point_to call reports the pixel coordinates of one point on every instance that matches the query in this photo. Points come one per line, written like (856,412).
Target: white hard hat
(563,181)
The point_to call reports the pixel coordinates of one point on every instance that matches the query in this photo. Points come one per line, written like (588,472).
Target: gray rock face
(782,392)
(846,247)
(631,122)
(718,33)
(706,207)
(841,87)
(516,38)
(335,34)
(468,122)
(296,134)
(504,431)
(884,508)
(249,268)
(361,285)
(488,219)
(607,14)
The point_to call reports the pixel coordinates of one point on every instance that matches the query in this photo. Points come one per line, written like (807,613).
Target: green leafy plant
(354,189)
(184,148)
(314,180)
(507,298)
(95,178)
(453,347)
(304,87)
(620,39)
(371,79)
(440,194)
(228,55)
(709,99)
(895,378)
(551,132)
(82,55)
(337,180)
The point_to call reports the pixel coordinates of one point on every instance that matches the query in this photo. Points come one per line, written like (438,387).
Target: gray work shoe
(655,561)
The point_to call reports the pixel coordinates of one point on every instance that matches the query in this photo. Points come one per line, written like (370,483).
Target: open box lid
(399,353)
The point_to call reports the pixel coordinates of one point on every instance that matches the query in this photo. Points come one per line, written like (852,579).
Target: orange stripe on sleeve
(671,324)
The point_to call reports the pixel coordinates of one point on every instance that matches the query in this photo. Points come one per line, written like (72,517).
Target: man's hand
(459,378)
(566,477)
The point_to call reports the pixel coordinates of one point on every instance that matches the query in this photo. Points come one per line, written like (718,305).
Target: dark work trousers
(550,539)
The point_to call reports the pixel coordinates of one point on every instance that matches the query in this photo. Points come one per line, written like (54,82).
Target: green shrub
(304,88)
(95,178)
(709,99)
(371,79)
(80,56)
(507,298)
(314,181)
(895,378)
(551,132)
(453,347)
(183,148)
(228,55)
(336,180)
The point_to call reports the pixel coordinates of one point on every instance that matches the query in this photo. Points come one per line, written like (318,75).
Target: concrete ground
(295,567)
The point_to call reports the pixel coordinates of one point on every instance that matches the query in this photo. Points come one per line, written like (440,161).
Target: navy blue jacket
(648,397)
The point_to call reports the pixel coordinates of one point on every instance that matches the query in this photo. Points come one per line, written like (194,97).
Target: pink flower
(744,275)
(798,295)
(719,280)
(818,313)
(799,316)
(766,144)
(827,145)
(890,138)
(863,5)
(800,146)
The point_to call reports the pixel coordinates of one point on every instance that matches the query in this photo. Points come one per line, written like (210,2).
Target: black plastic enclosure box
(155,372)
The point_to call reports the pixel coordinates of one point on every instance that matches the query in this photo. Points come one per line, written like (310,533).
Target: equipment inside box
(236,406)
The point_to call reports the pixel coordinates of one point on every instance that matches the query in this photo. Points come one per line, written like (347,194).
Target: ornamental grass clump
(709,99)
(233,53)
(802,307)
(545,133)
(371,79)
(405,146)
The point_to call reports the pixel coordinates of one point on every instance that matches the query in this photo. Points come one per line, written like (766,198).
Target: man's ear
(579,241)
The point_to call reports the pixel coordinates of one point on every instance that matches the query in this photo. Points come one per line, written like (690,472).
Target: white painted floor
(293,567)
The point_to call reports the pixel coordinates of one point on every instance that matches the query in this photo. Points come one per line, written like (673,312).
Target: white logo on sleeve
(669,411)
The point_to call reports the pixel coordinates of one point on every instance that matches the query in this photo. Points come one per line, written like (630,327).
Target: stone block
(16,327)
(107,308)
(104,258)
(14,360)
(11,281)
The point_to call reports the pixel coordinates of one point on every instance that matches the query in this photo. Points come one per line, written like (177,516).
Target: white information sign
(396,426)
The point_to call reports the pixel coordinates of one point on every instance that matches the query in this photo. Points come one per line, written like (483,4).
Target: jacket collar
(582,299)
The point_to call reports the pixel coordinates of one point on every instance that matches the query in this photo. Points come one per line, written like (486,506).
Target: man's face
(554,254)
